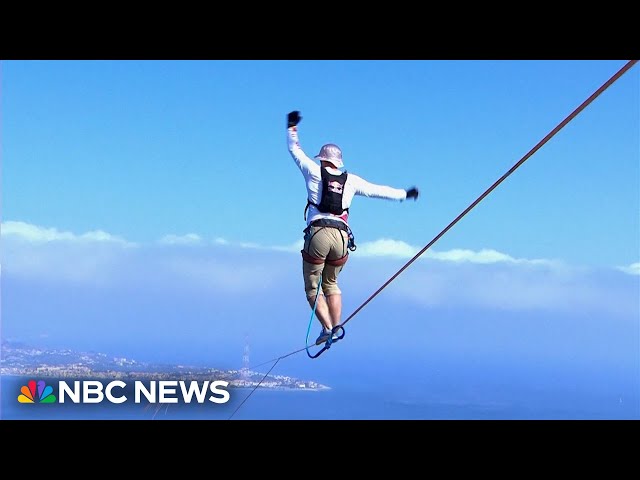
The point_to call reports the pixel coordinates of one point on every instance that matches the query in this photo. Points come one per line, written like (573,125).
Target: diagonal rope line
(254,388)
(528,155)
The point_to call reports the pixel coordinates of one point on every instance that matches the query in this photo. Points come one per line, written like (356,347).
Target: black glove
(412,193)
(293,118)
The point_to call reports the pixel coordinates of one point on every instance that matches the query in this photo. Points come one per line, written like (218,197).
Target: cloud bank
(486,278)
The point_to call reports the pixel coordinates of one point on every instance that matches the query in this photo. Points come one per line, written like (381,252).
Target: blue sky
(142,149)
(153,204)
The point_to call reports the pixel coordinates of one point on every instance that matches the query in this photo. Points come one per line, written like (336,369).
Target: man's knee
(330,281)
(311,288)
(331,289)
(311,273)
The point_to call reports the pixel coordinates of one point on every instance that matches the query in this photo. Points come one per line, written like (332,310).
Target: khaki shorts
(323,243)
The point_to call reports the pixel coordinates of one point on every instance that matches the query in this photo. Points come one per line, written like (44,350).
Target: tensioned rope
(528,155)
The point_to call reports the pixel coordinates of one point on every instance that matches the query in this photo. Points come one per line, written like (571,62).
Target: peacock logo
(28,393)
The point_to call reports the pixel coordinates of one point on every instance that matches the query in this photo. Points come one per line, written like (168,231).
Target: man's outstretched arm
(368,189)
(305,164)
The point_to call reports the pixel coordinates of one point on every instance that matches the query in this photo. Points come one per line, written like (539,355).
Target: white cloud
(386,248)
(36,234)
(188,239)
(633,269)
(464,255)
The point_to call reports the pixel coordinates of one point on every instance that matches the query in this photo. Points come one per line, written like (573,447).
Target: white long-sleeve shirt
(354,185)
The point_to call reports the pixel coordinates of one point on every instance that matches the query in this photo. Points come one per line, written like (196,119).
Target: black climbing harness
(330,222)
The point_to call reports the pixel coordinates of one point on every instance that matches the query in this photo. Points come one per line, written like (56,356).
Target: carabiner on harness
(351,245)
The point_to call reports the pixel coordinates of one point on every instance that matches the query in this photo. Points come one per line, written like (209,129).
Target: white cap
(331,153)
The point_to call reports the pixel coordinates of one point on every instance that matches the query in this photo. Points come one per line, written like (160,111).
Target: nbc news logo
(93,391)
